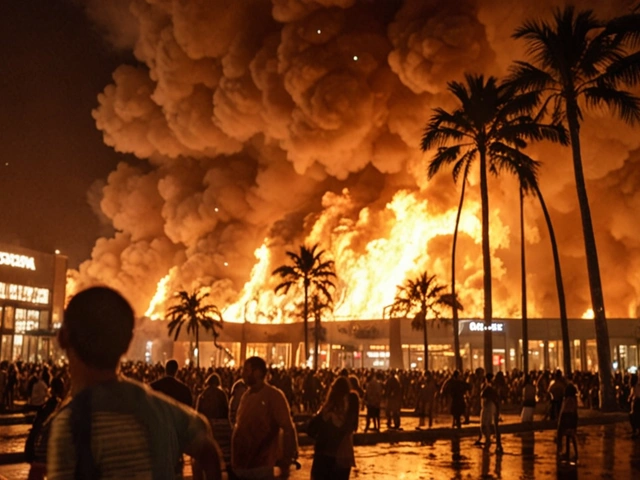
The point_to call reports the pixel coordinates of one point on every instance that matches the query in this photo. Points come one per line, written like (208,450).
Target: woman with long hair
(333,455)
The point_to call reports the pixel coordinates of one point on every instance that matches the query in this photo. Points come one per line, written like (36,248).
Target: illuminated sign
(17,261)
(481,327)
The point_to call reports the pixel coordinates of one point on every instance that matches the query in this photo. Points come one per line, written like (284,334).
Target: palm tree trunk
(607,394)
(523,273)
(197,345)
(456,321)
(562,304)
(425,339)
(486,263)
(306,320)
(317,341)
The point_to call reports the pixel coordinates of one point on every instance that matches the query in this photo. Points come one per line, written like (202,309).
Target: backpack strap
(86,467)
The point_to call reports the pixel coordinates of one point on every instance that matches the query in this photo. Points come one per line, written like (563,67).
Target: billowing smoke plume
(291,121)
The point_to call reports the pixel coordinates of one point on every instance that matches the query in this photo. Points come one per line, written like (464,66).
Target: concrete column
(243,344)
(395,344)
(546,354)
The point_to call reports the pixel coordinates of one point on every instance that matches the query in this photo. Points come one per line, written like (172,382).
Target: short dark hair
(57,387)
(99,323)
(257,363)
(171,367)
(213,380)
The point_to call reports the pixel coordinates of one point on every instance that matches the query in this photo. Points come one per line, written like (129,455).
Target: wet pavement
(12,438)
(605,452)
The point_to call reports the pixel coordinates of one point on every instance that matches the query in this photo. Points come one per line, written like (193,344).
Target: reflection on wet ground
(605,452)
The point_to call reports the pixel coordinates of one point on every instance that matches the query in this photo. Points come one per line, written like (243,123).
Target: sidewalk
(408,438)
(510,423)
(442,429)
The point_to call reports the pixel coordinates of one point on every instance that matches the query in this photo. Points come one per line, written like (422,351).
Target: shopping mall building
(386,343)
(32,295)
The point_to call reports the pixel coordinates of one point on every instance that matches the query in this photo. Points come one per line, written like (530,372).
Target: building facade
(393,343)
(32,296)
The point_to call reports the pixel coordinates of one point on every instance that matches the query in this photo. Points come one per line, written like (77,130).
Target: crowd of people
(26,384)
(94,414)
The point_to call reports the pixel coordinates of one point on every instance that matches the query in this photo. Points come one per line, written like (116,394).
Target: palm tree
(192,311)
(491,118)
(562,304)
(526,169)
(421,295)
(455,305)
(309,270)
(580,58)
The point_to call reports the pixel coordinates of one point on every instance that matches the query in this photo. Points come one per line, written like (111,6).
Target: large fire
(366,283)
(260,126)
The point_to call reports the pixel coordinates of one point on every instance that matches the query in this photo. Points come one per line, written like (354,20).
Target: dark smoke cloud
(251,118)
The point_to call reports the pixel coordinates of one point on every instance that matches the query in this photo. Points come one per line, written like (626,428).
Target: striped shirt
(135,434)
(119,444)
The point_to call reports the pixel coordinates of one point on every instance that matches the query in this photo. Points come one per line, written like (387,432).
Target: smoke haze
(292,121)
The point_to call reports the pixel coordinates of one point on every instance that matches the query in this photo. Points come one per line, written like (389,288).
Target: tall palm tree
(526,170)
(490,119)
(578,58)
(192,311)
(455,304)
(419,296)
(562,304)
(309,270)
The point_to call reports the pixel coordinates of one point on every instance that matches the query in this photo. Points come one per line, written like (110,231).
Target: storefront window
(17,347)
(44,320)
(592,355)
(554,355)
(257,350)
(24,293)
(9,313)
(536,355)
(33,320)
(5,348)
(575,354)
(627,357)
(21,320)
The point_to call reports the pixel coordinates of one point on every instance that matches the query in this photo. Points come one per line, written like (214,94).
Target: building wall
(32,295)
(369,343)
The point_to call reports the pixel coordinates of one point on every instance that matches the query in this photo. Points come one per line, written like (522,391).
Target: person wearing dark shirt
(171,386)
(456,389)
(174,388)
(214,404)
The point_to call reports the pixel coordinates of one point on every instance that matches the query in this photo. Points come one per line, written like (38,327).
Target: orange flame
(588,315)
(158,300)
(369,266)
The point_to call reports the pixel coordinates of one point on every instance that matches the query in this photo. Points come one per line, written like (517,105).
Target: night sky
(53,66)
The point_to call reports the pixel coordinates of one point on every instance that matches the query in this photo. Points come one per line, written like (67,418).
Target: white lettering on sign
(17,261)
(481,327)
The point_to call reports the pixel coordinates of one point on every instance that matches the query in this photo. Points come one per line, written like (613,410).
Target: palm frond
(625,71)
(436,137)
(444,156)
(464,161)
(623,103)
(284,286)
(626,28)
(525,168)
